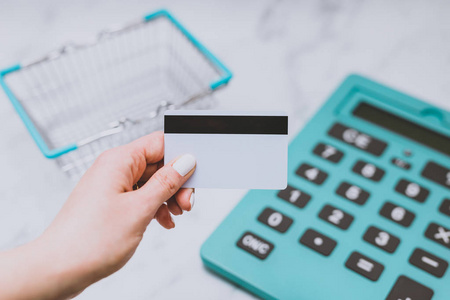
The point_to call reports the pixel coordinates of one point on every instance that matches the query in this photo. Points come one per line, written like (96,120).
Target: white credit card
(235,150)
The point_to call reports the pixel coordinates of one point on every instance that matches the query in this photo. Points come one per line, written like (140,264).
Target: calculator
(365,214)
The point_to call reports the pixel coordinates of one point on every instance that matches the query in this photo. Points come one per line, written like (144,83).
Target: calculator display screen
(403,127)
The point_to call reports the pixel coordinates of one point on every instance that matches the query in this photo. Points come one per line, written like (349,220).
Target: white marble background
(286,55)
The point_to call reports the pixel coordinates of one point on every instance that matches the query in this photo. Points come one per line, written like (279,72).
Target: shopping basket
(82,99)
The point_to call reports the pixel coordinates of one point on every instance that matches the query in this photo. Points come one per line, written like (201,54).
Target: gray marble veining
(286,55)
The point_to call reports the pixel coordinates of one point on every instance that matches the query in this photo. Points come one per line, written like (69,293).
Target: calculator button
(401,163)
(439,234)
(336,216)
(445,207)
(408,289)
(353,193)
(312,174)
(364,266)
(368,170)
(412,190)
(255,245)
(318,242)
(328,152)
(437,173)
(428,262)
(357,139)
(275,220)
(294,196)
(397,214)
(381,239)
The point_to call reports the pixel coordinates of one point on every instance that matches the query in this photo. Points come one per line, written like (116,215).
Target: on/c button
(255,245)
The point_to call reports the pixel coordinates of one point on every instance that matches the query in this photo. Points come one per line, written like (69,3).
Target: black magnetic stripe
(226,124)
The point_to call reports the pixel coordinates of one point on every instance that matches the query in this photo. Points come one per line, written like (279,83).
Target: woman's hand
(102,223)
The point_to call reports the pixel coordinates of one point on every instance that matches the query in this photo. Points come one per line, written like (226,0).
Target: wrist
(30,272)
(62,276)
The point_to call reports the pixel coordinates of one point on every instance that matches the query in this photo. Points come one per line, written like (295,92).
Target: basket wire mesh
(112,91)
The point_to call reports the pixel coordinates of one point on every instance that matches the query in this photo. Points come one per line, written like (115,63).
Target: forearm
(101,224)
(32,271)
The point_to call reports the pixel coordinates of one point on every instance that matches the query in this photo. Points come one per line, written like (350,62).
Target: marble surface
(286,55)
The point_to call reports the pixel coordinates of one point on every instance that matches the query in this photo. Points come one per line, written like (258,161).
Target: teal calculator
(365,215)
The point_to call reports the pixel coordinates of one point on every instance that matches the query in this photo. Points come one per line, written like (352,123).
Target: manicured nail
(192,199)
(184,164)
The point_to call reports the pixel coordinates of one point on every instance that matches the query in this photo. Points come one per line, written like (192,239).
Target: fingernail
(184,164)
(192,199)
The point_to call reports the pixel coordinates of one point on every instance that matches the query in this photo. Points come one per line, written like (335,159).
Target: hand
(100,226)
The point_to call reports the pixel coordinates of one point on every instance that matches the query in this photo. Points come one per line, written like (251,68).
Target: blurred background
(285,55)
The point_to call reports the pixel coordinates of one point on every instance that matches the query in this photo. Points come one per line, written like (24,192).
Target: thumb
(167,181)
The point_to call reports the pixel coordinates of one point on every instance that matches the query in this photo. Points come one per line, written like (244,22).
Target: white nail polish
(192,199)
(184,164)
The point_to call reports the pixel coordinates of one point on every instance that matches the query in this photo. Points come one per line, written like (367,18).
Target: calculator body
(367,219)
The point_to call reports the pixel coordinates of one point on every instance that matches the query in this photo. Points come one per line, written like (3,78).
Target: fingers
(125,165)
(182,200)
(150,146)
(173,206)
(148,172)
(163,217)
(167,181)
(147,150)
(185,199)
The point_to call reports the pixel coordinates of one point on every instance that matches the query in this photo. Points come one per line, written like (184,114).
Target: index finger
(124,165)
(144,151)
(149,147)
